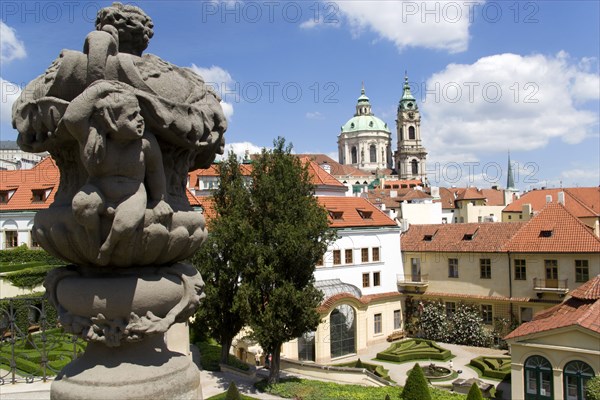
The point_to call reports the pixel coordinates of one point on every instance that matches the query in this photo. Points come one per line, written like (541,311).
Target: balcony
(413,280)
(558,286)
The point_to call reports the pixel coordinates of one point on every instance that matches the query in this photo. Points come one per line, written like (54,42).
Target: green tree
(291,233)
(416,385)
(474,393)
(223,258)
(592,388)
(232,392)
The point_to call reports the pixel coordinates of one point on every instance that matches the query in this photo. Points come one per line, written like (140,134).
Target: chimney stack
(561,198)
(548,198)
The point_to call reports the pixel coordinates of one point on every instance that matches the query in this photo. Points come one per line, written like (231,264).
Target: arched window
(401,134)
(414,167)
(538,379)
(354,156)
(576,375)
(306,347)
(372,153)
(342,331)
(411,132)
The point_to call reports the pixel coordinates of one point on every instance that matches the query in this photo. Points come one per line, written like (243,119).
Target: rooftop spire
(510,180)
(407,101)
(362,90)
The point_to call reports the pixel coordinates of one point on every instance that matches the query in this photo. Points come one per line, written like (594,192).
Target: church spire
(510,180)
(407,101)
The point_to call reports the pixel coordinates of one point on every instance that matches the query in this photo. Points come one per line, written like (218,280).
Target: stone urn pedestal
(124,315)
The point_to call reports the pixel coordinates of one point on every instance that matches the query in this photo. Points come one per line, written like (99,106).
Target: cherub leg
(128,217)
(87,206)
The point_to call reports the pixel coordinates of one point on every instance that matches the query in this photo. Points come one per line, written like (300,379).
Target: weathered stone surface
(124,129)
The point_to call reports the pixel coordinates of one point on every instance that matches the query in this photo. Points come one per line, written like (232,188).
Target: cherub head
(133,24)
(120,114)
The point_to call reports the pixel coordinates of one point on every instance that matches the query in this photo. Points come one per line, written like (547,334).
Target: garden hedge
(492,367)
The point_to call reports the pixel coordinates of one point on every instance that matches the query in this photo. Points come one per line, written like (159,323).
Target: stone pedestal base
(144,370)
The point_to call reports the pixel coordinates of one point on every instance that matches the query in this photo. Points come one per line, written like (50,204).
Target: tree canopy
(291,233)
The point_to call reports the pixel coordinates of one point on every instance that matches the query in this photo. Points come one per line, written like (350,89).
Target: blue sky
(489,76)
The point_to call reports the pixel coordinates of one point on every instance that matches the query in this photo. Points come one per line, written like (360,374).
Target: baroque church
(365,141)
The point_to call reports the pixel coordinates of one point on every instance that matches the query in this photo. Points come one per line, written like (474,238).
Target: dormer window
(468,236)
(365,214)
(4,197)
(336,215)
(427,238)
(546,234)
(38,195)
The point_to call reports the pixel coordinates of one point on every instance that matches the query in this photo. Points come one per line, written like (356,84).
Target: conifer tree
(223,257)
(474,393)
(232,392)
(416,387)
(290,234)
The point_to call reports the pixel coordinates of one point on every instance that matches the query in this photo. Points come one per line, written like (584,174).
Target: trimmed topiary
(233,392)
(387,397)
(416,385)
(474,393)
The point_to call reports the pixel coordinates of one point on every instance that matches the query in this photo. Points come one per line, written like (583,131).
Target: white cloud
(315,115)
(505,101)
(581,177)
(441,24)
(240,149)
(9,92)
(220,80)
(11,48)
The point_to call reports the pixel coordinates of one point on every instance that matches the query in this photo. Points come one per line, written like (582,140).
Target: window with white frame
(453,268)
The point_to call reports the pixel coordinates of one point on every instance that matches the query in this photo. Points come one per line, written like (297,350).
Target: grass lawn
(305,389)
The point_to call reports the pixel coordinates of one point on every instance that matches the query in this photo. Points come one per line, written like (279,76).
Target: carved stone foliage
(110,314)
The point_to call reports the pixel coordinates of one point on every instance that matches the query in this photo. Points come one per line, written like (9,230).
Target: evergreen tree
(416,387)
(291,233)
(474,393)
(232,392)
(223,257)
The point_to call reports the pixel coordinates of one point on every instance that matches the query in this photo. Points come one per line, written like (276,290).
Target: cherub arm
(156,185)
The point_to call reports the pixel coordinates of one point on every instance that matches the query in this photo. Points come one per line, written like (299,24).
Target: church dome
(365,123)
(363,119)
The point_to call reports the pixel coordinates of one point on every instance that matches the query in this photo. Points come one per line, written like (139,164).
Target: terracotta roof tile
(554,230)
(349,212)
(319,176)
(43,176)
(581,202)
(589,290)
(337,169)
(572,312)
(328,303)
(459,296)
(473,237)
(208,204)
(470,194)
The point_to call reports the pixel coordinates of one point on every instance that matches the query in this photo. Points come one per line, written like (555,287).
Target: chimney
(393,193)
(548,198)
(435,192)
(561,198)
(526,210)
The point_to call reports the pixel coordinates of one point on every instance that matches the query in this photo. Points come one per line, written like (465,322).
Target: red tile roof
(350,209)
(337,169)
(402,184)
(328,303)
(319,176)
(564,233)
(485,237)
(575,311)
(581,202)
(589,290)
(43,176)
(470,194)
(208,204)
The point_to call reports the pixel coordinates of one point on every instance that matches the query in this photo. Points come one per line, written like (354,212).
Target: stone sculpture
(124,128)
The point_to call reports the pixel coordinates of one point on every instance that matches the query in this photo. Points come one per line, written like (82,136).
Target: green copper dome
(365,123)
(363,119)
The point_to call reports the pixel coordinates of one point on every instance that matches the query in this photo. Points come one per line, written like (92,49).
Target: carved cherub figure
(124,165)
